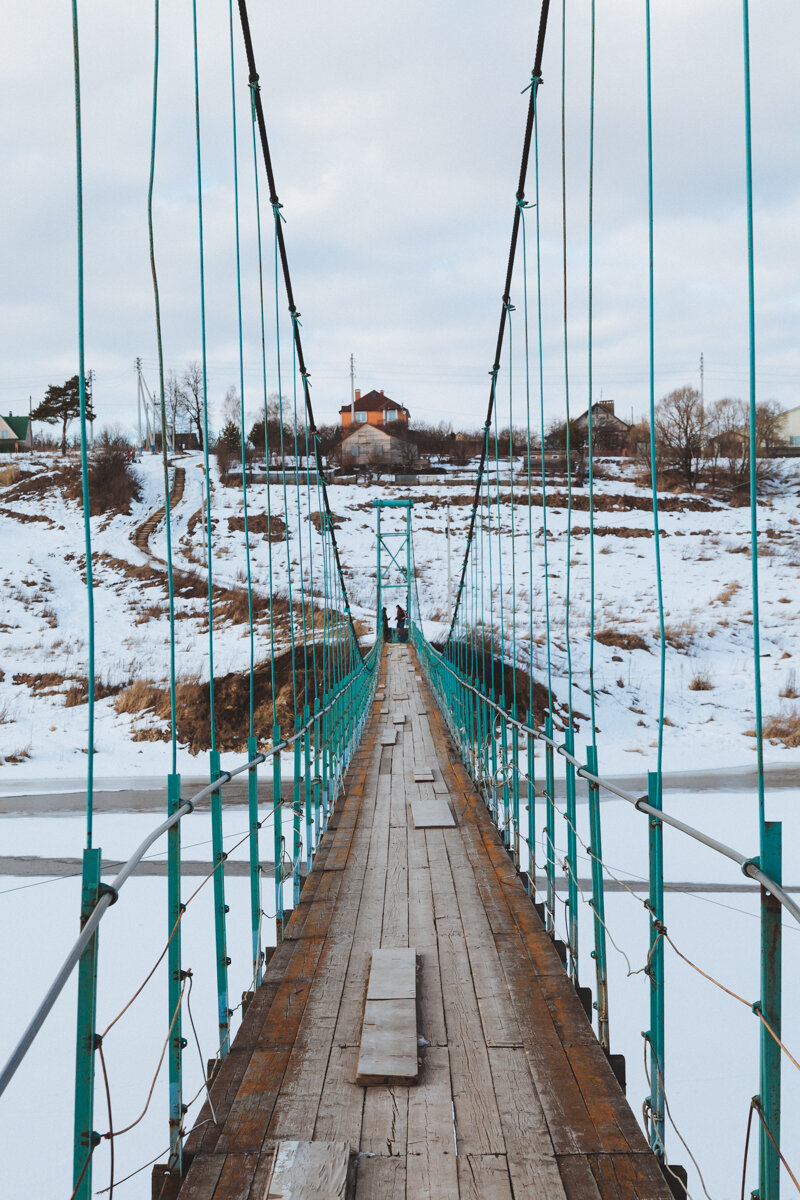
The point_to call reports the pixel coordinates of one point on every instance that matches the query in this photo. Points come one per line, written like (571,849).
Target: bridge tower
(394,556)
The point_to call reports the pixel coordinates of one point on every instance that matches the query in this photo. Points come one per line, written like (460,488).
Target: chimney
(358,393)
(382,392)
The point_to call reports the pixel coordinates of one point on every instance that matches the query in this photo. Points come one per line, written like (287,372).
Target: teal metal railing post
(325,761)
(515,783)
(317,770)
(277,825)
(770,1006)
(175,978)
(297,844)
(655,968)
(530,787)
(550,826)
(85,1137)
(572,857)
(220,911)
(307,787)
(506,799)
(597,902)
(255,866)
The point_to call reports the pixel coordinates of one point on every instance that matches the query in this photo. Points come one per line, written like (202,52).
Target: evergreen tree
(63,404)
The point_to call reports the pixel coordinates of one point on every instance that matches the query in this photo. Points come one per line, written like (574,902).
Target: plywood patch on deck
(432,814)
(309,1171)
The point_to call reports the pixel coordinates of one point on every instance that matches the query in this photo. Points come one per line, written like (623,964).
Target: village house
(375,439)
(609,432)
(15,434)
(789,426)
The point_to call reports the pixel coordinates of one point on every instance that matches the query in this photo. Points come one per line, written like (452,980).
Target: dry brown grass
(701,683)
(621,639)
(9,475)
(272,527)
(782,730)
(680,636)
(789,690)
(728,592)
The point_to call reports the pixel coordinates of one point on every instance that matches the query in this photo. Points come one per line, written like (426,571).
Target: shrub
(701,683)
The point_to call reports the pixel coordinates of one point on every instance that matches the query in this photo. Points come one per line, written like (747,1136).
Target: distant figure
(387,632)
(402,635)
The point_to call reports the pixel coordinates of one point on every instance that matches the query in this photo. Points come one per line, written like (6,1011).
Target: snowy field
(712,1040)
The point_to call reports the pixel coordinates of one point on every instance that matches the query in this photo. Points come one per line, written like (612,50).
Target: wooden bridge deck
(515,1097)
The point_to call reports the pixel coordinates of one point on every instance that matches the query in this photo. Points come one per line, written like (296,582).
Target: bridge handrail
(110,891)
(749,866)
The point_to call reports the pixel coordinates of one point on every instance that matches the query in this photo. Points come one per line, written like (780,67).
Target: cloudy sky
(396,132)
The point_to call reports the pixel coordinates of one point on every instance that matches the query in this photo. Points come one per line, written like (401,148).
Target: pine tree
(63,404)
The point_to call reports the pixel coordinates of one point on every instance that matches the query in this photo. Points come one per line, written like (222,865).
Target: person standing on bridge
(387,631)
(402,636)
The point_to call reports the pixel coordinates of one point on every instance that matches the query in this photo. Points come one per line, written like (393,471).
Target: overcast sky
(396,132)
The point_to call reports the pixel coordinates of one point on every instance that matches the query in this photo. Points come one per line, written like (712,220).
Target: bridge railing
(321,746)
(497,749)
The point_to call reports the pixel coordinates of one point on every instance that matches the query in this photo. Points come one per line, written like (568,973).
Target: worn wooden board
(309,1171)
(393,974)
(431,814)
(422,775)
(399,719)
(389,738)
(388,1053)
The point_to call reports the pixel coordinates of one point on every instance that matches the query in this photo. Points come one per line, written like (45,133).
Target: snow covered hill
(708,608)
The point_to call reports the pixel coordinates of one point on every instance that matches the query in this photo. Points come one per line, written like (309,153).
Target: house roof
(372,432)
(374,402)
(18,425)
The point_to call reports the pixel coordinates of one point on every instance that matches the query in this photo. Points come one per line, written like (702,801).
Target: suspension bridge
(421,1024)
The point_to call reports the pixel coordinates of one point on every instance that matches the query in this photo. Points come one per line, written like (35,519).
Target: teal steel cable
(160,348)
(296,320)
(653,463)
(753,441)
(511,500)
(266,401)
(523,206)
(201,236)
(541,421)
(590,418)
(500,560)
(87,529)
(241,374)
(568,571)
(278,217)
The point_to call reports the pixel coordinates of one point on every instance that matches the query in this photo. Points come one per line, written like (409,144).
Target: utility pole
(30,422)
(702,389)
(352,392)
(138,365)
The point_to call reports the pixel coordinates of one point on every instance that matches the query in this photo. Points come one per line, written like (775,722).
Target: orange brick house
(375,408)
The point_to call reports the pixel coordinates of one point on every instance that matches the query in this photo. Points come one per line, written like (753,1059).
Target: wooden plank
(399,719)
(431,1166)
(422,775)
(309,1171)
(431,814)
(484,1177)
(393,974)
(389,738)
(477,1119)
(388,1052)
(381,1178)
(531,1159)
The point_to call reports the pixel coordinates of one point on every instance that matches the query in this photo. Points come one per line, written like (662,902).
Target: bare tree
(769,426)
(681,430)
(190,402)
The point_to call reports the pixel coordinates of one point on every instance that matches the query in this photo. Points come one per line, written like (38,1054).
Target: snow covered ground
(711,1039)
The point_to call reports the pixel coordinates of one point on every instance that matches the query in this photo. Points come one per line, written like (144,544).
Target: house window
(379,451)
(354,452)
(3,433)
(361,416)
(390,415)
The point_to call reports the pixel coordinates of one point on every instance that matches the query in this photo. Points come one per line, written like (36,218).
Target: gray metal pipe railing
(110,891)
(749,866)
